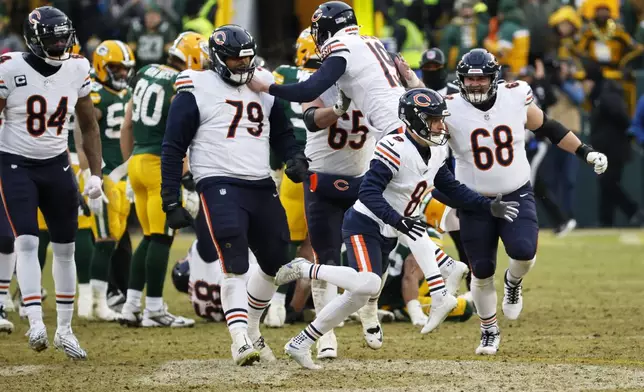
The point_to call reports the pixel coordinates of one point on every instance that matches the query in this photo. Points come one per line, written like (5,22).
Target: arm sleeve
(181,127)
(373,185)
(329,73)
(282,139)
(458,193)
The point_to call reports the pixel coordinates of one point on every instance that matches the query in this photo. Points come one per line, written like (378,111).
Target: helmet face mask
(231,42)
(424,111)
(49,34)
(113,63)
(114,70)
(473,67)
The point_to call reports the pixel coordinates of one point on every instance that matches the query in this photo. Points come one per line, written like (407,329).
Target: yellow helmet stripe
(126,53)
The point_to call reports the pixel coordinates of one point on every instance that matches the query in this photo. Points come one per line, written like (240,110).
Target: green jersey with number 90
(153,91)
(111,104)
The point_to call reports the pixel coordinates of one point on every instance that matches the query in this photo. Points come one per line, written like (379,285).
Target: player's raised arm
(282,141)
(538,122)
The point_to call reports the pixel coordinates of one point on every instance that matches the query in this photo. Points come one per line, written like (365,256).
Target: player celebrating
(38,92)
(142,136)
(113,63)
(402,168)
(229,130)
(488,140)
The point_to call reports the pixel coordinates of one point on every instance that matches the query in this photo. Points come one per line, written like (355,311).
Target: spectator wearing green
(409,39)
(151,40)
(465,31)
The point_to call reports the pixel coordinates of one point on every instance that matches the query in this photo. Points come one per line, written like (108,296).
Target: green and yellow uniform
(111,104)
(292,194)
(152,92)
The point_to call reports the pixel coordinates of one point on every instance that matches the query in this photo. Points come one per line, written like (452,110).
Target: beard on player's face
(477,88)
(238,65)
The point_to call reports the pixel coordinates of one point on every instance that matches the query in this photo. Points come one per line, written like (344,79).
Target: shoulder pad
(333,46)
(389,151)
(184,81)
(521,89)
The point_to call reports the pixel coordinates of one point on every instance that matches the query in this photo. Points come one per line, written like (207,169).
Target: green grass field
(582,329)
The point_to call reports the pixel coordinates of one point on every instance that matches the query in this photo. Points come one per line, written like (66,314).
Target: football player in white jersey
(39,91)
(229,130)
(361,66)
(402,168)
(488,140)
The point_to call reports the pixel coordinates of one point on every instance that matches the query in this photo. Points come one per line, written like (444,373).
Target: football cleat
(115,300)
(5,325)
(85,305)
(371,325)
(130,316)
(300,354)
(244,354)
(328,346)
(265,352)
(66,341)
(104,313)
(512,299)
(163,318)
(292,271)
(490,341)
(9,305)
(275,316)
(437,314)
(38,340)
(454,279)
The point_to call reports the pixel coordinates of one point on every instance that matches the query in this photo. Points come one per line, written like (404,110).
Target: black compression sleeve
(552,129)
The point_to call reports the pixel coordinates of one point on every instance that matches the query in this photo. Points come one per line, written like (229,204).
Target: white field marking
(443,375)
(630,239)
(22,370)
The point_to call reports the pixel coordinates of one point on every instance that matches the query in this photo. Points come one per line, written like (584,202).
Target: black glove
(412,227)
(177,216)
(504,209)
(297,167)
(188,182)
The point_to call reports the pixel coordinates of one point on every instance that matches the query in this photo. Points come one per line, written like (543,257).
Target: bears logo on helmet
(422,100)
(219,37)
(34,17)
(316,15)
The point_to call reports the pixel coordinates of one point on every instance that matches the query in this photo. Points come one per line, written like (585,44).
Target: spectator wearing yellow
(605,41)
(409,39)
(512,42)
(465,32)
(200,18)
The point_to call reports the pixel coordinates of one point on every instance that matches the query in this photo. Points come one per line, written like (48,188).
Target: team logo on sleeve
(316,15)
(422,100)
(220,37)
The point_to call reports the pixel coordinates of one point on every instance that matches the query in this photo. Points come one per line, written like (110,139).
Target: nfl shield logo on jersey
(222,191)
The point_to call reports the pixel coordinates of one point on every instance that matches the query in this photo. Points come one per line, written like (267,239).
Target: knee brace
(64,252)
(482,282)
(482,269)
(367,284)
(26,243)
(520,268)
(6,245)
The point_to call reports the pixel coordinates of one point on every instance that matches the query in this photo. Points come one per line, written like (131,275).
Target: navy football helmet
(419,108)
(181,275)
(232,41)
(329,18)
(478,62)
(49,33)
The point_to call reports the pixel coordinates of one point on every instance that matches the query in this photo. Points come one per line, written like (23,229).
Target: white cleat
(67,342)
(130,316)
(512,299)
(5,325)
(490,341)
(301,355)
(104,313)
(438,314)
(163,318)
(38,340)
(453,281)
(328,346)
(9,306)
(265,352)
(292,271)
(275,316)
(244,354)
(371,325)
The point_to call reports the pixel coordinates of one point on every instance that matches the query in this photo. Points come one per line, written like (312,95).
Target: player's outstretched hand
(404,70)
(412,227)
(257,85)
(504,209)
(297,167)
(342,104)
(598,160)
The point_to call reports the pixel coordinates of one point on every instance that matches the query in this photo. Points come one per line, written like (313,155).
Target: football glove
(297,167)
(188,182)
(93,187)
(191,202)
(504,209)
(412,227)
(342,104)
(177,216)
(598,160)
